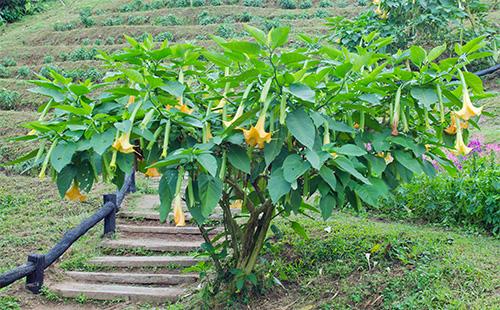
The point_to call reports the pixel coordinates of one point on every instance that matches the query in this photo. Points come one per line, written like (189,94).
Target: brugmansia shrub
(256,126)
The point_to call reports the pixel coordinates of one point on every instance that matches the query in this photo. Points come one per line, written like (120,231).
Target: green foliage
(137,19)
(325,3)
(47,59)
(86,17)
(244,17)
(14,10)
(4,72)
(109,40)
(64,26)
(135,5)
(168,20)
(226,31)
(305,4)
(287,4)
(179,3)
(162,36)
(82,53)
(23,71)
(471,199)
(8,62)
(254,3)
(113,21)
(8,99)
(196,3)
(216,2)
(9,303)
(204,18)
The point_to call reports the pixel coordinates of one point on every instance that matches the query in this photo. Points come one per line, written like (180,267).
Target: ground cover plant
(258,126)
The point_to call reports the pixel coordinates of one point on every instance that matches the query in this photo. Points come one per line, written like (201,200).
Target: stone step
(159,245)
(123,292)
(163,229)
(133,278)
(144,261)
(154,215)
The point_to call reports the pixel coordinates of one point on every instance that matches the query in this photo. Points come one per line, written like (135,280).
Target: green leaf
(417,55)
(208,162)
(425,96)
(299,230)
(166,191)
(102,141)
(272,149)
(350,150)
(125,162)
(371,194)
(242,47)
(346,165)
(436,52)
(328,175)
(65,179)
(474,82)
(302,91)
(377,165)
(293,167)
(210,191)
(326,205)
(238,157)
(277,37)
(56,95)
(256,33)
(134,75)
(408,161)
(301,126)
(174,88)
(62,155)
(277,185)
(21,159)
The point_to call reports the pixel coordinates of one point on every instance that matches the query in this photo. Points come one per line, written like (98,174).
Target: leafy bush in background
(471,198)
(8,62)
(14,10)
(197,3)
(86,17)
(8,99)
(168,20)
(204,18)
(325,4)
(287,4)
(136,19)
(254,3)
(306,4)
(162,36)
(64,26)
(113,21)
(23,72)
(4,72)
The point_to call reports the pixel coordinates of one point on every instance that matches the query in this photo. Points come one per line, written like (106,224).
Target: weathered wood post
(110,219)
(132,188)
(34,280)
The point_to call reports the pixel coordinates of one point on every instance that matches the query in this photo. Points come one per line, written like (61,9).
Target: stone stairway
(145,262)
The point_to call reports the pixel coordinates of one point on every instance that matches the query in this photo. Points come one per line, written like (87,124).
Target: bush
(325,4)
(82,54)
(470,199)
(8,62)
(226,31)
(13,10)
(64,26)
(23,71)
(287,4)
(135,5)
(215,2)
(86,42)
(306,4)
(86,17)
(168,20)
(167,35)
(179,3)
(197,3)
(244,17)
(254,3)
(48,59)
(98,42)
(110,40)
(8,99)
(113,21)
(204,18)
(321,13)
(4,71)
(136,19)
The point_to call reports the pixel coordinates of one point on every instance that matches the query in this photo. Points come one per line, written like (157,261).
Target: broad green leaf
(208,162)
(293,167)
(436,52)
(301,126)
(277,185)
(326,205)
(238,157)
(299,230)
(62,155)
(272,149)
(425,96)
(377,165)
(256,33)
(277,37)
(102,141)
(125,162)
(346,165)
(417,55)
(302,91)
(350,150)
(242,47)
(56,95)
(408,161)
(65,179)
(328,175)
(134,75)
(474,82)
(174,88)
(166,190)
(210,191)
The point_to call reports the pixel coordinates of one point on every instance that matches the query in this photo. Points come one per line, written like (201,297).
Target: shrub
(254,3)
(82,54)
(48,59)
(325,4)
(135,5)
(98,42)
(86,17)
(232,2)
(197,3)
(86,42)
(226,31)
(179,3)
(204,18)
(215,2)
(268,23)
(4,71)
(23,71)
(136,19)
(168,20)
(306,4)
(8,99)
(83,74)
(287,4)
(64,26)
(158,4)
(8,62)
(321,13)
(113,21)
(110,40)
(162,36)
(244,17)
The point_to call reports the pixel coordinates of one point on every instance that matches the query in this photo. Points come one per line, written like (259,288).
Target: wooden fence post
(132,188)
(110,219)
(34,281)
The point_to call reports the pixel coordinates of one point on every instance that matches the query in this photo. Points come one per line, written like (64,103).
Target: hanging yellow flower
(460,147)
(152,173)
(179,218)
(131,100)
(122,144)
(468,110)
(238,114)
(387,157)
(257,135)
(452,129)
(73,194)
(236,204)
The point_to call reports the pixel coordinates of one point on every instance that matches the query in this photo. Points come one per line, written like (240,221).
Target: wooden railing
(34,268)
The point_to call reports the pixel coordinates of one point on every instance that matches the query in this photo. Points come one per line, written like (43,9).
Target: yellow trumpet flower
(184,108)
(376,2)
(236,204)
(387,157)
(452,129)
(179,218)
(152,173)
(122,144)
(73,194)
(131,100)
(460,147)
(207,135)
(468,110)
(257,135)
(238,114)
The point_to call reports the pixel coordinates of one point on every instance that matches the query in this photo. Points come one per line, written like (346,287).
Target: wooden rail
(34,269)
